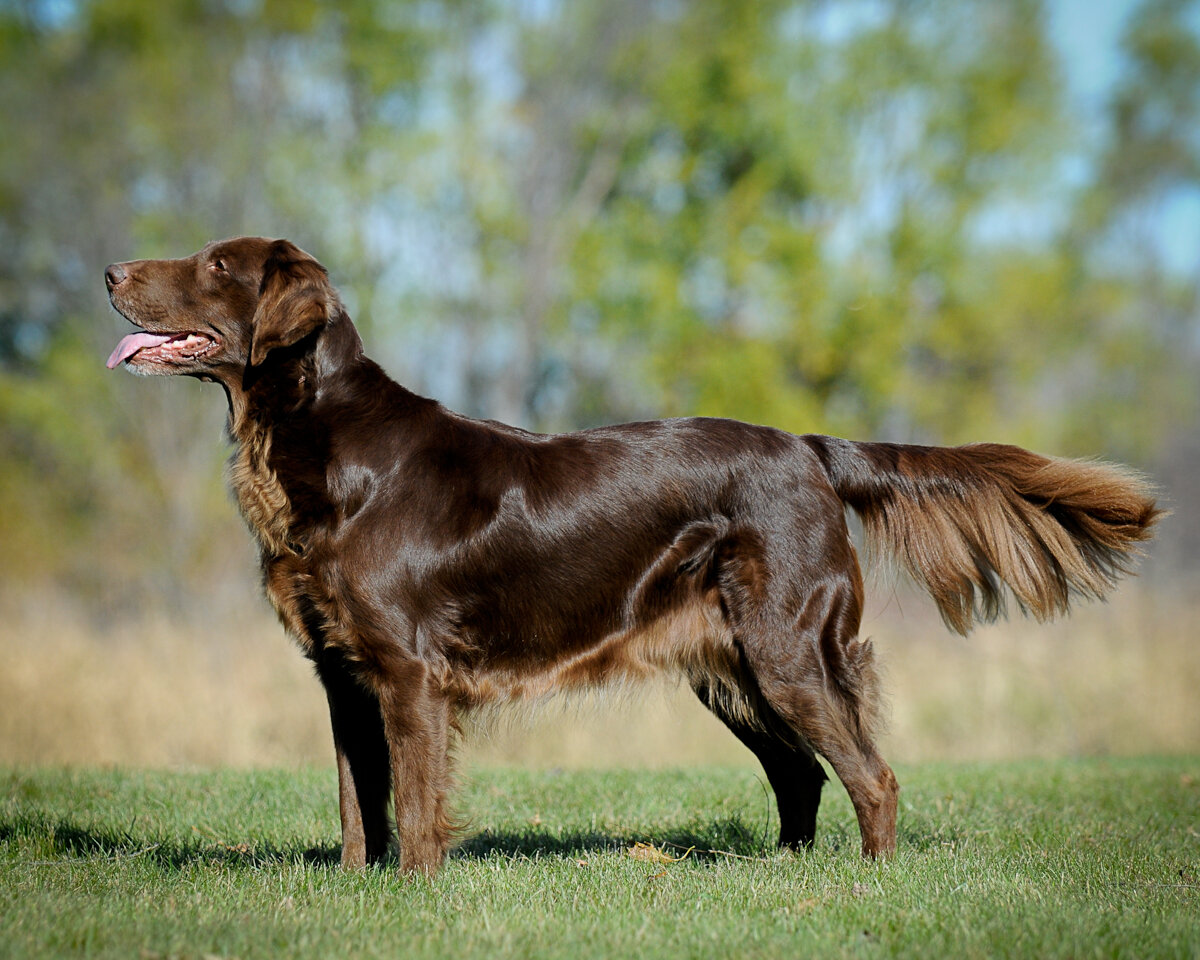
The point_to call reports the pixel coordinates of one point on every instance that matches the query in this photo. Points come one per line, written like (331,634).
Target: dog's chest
(260,494)
(292,577)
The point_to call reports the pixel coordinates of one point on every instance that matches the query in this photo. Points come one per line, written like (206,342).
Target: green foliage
(796,239)
(87,470)
(848,218)
(1156,109)
(1042,859)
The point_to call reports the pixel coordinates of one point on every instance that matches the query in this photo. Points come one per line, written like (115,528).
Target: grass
(1037,858)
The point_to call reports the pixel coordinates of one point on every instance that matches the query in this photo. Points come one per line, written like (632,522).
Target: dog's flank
(429,564)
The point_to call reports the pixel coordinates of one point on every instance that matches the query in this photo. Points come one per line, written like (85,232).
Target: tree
(819,225)
(829,216)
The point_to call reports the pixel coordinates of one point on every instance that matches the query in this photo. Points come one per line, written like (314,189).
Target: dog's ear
(294,299)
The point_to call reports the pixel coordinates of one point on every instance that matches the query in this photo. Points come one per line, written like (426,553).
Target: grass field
(1025,859)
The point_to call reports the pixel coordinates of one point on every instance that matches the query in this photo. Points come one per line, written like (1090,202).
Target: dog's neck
(282,417)
(272,403)
(291,378)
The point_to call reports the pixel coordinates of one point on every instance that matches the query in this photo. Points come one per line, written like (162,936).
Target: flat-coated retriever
(428,563)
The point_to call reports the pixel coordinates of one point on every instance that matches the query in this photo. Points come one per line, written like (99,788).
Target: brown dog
(428,563)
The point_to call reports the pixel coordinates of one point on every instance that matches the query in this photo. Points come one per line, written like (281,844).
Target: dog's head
(220,312)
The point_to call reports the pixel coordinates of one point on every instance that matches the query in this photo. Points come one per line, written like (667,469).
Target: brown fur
(430,564)
(967,522)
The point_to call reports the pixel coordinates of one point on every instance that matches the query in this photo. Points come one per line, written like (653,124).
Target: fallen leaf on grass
(234,848)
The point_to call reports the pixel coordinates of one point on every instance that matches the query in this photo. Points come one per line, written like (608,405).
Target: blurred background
(932,221)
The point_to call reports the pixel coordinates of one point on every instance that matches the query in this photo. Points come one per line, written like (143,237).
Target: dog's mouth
(164,348)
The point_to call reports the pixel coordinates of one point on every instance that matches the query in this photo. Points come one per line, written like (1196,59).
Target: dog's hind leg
(794,773)
(820,680)
(796,622)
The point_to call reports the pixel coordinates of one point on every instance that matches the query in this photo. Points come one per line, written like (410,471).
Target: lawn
(1031,859)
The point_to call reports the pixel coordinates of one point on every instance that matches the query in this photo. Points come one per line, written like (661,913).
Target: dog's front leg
(416,720)
(364,774)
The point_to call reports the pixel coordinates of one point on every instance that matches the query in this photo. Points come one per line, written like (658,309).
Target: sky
(1087,33)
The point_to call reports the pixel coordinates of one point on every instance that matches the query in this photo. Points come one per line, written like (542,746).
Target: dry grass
(1116,678)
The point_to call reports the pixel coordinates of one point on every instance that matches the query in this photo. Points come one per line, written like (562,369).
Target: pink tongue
(132,344)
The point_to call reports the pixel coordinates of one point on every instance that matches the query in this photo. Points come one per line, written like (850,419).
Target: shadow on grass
(64,841)
(68,842)
(712,841)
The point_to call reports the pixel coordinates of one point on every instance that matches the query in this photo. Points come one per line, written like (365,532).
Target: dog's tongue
(132,344)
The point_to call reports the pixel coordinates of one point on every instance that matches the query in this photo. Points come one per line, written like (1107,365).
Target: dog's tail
(967,521)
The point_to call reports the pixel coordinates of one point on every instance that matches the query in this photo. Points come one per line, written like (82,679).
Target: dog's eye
(218,266)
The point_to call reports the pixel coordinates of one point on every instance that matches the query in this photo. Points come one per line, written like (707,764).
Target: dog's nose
(114,273)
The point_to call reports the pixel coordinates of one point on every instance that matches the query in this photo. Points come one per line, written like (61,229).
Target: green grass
(1039,859)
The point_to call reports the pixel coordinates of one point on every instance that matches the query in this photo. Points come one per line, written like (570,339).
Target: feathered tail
(968,521)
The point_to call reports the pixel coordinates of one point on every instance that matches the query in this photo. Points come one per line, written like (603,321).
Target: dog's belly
(693,639)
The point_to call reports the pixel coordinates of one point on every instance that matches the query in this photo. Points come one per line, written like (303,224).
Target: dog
(428,563)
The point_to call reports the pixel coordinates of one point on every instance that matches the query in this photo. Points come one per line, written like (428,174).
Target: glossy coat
(428,563)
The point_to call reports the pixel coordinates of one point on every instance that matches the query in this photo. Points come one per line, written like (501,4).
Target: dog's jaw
(141,350)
